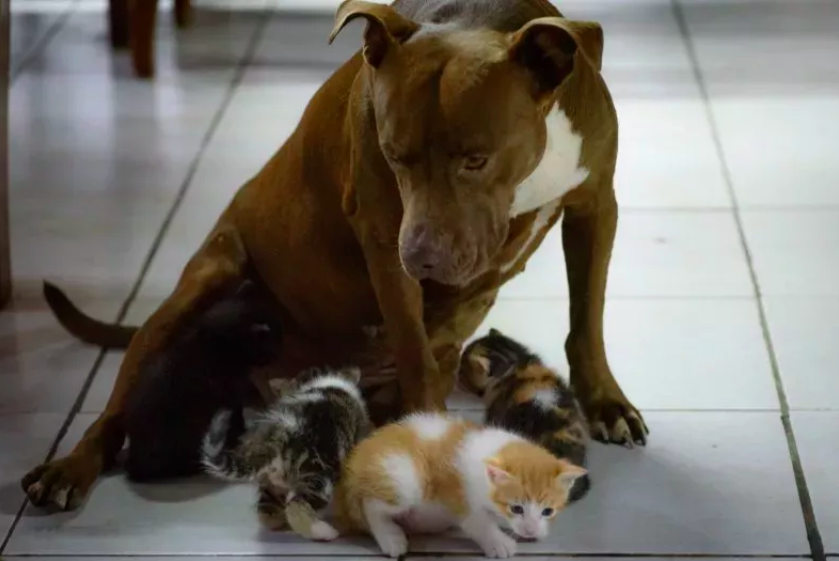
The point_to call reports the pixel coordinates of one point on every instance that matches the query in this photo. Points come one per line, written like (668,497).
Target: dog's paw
(499,546)
(615,420)
(63,483)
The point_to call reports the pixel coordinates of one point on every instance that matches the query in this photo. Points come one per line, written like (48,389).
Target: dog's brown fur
(375,179)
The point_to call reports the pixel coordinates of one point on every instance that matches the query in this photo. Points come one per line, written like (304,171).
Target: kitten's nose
(531,529)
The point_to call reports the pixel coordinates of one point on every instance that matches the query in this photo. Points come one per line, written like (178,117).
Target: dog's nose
(421,253)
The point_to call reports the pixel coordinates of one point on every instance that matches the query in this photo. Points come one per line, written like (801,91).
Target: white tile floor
(729,185)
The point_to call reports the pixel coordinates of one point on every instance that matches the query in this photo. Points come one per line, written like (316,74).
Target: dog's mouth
(455,277)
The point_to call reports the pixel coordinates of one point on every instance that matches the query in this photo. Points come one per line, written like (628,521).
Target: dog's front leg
(400,301)
(216,267)
(588,233)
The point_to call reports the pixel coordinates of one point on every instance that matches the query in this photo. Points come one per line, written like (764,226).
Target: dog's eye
(517,509)
(474,162)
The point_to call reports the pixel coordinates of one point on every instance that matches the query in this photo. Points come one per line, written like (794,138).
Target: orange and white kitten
(430,472)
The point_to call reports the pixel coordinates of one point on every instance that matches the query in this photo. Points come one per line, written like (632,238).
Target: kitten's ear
(568,474)
(281,386)
(495,333)
(352,374)
(495,474)
(480,363)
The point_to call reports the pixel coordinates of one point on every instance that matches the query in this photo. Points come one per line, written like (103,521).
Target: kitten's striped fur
(295,450)
(525,396)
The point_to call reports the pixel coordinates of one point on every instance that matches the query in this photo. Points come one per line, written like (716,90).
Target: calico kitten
(525,396)
(429,472)
(295,450)
(204,369)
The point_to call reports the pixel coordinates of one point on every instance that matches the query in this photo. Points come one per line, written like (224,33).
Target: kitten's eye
(547,512)
(517,509)
(474,162)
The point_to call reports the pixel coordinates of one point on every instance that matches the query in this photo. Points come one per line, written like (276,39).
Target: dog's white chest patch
(558,172)
(542,218)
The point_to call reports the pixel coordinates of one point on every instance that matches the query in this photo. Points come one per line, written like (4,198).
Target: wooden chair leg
(118,23)
(142,27)
(183,13)
(5,229)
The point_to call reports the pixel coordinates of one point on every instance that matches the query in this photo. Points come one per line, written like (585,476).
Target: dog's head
(460,120)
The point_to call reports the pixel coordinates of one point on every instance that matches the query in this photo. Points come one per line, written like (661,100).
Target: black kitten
(205,369)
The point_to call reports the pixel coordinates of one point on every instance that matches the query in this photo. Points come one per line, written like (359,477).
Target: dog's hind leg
(218,266)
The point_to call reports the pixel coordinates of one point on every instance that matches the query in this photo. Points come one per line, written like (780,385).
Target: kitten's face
(350,374)
(273,482)
(529,494)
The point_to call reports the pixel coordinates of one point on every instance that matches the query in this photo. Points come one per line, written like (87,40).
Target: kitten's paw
(393,544)
(499,546)
(323,532)
(271,513)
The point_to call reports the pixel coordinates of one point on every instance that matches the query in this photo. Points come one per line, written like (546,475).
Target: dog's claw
(60,498)
(616,421)
(638,430)
(599,431)
(35,492)
(62,483)
(621,433)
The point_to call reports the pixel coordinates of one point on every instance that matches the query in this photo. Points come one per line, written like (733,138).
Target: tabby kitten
(432,471)
(295,450)
(525,396)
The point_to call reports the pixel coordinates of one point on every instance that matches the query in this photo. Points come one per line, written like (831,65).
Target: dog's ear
(386,28)
(547,48)
(589,36)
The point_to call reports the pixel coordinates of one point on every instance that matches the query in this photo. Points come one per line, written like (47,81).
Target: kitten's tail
(579,489)
(219,453)
(564,445)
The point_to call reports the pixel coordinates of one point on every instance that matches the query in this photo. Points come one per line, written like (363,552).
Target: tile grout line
(41,44)
(414,555)
(811,526)
(156,243)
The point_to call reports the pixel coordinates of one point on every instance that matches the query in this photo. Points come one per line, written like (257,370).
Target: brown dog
(422,176)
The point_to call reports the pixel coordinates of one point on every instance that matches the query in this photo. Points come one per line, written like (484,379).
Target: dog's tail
(220,455)
(84,327)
